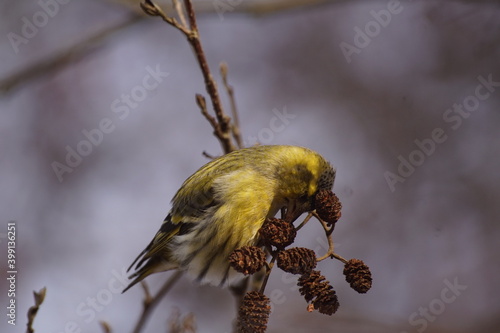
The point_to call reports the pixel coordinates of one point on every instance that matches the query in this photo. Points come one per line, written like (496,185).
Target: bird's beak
(295,208)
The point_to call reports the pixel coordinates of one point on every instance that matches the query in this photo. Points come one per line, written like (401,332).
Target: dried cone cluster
(318,292)
(253,313)
(278,233)
(328,206)
(358,275)
(297,260)
(248,259)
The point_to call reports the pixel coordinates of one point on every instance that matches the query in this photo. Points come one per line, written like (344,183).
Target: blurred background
(99,127)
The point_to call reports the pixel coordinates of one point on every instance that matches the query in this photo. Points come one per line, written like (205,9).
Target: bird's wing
(189,206)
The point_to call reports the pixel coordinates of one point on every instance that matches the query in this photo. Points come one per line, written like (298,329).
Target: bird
(222,206)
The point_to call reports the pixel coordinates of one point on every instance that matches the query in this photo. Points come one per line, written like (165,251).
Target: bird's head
(302,174)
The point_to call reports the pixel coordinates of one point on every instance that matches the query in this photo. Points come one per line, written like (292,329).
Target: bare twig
(218,132)
(328,232)
(274,254)
(252,8)
(32,311)
(202,103)
(269,268)
(105,327)
(303,223)
(235,128)
(150,303)
(180,12)
(211,87)
(222,127)
(153,9)
(207,155)
(83,48)
(147,294)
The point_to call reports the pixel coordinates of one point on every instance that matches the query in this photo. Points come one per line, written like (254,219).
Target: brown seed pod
(318,292)
(248,259)
(253,313)
(277,232)
(358,275)
(328,206)
(297,260)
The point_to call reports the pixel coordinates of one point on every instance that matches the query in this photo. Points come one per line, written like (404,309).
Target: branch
(64,58)
(106,328)
(211,87)
(83,48)
(235,128)
(222,125)
(32,311)
(328,232)
(252,8)
(150,303)
(269,267)
(303,223)
(202,103)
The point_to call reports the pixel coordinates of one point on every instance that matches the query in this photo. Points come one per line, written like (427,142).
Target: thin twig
(222,127)
(147,294)
(200,100)
(32,311)
(269,267)
(235,128)
(150,303)
(328,232)
(303,223)
(83,48)
(210,85)
(274,254)
(207,155)
(180,12)
(202,103)
(105,326)
(254,8)
(153,9)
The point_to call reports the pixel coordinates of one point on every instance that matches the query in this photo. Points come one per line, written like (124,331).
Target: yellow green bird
(222,206)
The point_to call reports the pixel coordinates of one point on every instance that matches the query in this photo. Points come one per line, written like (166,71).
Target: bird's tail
(153,265)
(156,256)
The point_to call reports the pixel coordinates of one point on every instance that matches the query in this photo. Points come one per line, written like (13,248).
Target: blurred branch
(65,57)
(83,48)
(328,233)
(221,123)
(256,8)
(106,328)
(177,324)
(32,311)
(150,303)
(235,128)
(78,51)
